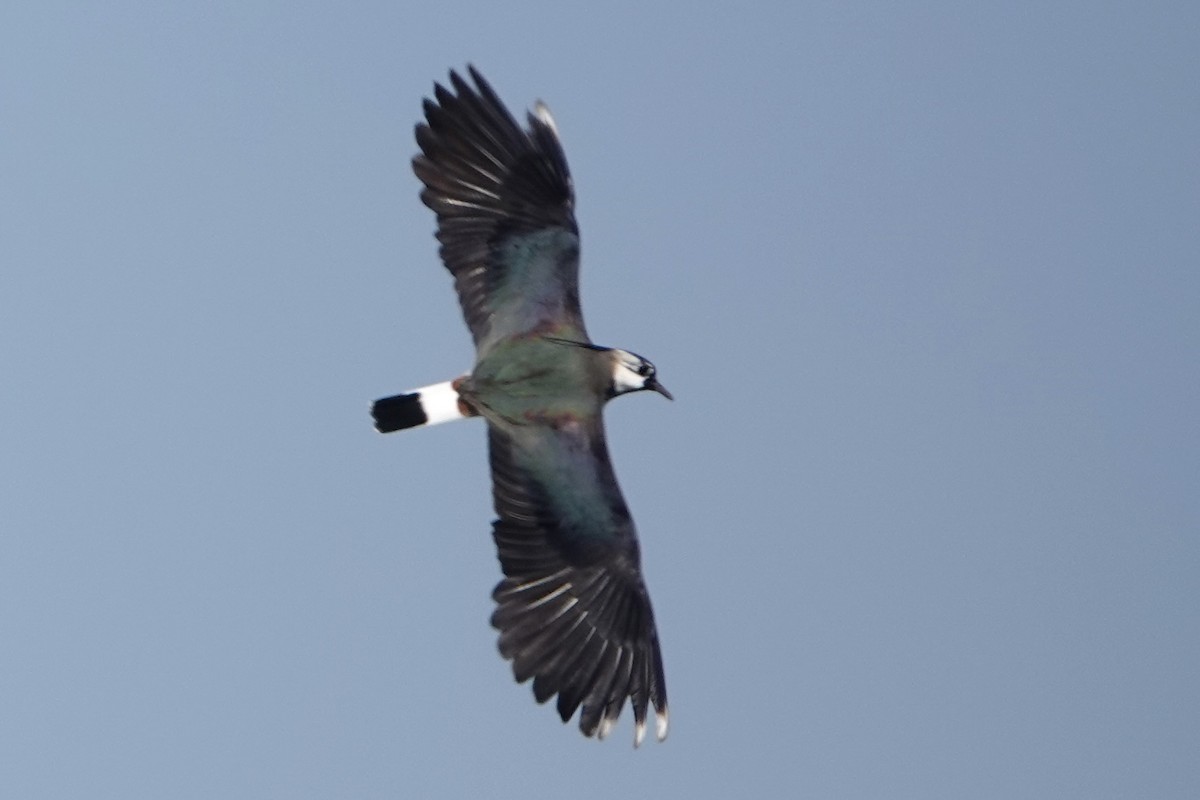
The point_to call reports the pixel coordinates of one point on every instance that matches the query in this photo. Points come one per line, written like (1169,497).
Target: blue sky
(923,521)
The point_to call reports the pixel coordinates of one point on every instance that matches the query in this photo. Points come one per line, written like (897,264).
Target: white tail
(428,405)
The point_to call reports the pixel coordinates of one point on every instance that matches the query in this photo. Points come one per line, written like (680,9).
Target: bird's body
(572,610)
(538,380)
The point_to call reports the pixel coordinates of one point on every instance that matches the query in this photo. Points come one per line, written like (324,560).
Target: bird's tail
(428,405)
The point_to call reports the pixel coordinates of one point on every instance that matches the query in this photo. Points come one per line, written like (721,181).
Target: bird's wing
(573,612)
(505,211)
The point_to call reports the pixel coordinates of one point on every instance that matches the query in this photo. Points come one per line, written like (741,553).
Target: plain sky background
(922,523)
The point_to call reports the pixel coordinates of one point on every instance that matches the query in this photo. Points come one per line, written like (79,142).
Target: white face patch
(630,372)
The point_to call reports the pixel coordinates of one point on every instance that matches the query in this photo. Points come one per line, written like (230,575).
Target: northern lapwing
(572,610)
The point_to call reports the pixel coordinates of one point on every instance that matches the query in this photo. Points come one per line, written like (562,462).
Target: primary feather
(505,211)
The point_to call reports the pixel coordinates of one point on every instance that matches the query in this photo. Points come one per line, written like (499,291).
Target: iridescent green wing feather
(572,610)
(505,211)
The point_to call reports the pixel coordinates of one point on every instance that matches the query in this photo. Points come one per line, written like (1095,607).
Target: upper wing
(505,211)
(573,612)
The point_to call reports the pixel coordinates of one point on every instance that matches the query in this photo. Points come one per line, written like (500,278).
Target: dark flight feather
(573,612)
(505,211)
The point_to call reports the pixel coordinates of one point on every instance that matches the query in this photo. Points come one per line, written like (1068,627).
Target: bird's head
(632,373)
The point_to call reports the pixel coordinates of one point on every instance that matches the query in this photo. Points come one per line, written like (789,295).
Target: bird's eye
(645,369)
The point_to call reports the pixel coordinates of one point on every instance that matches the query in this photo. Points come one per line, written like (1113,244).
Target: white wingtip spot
(542,112)
(639,733)
(606,726)
(661,721)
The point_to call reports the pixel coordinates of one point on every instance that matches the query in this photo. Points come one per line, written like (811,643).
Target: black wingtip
(398,412)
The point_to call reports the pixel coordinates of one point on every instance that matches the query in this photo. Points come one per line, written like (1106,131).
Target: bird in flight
(572,610)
